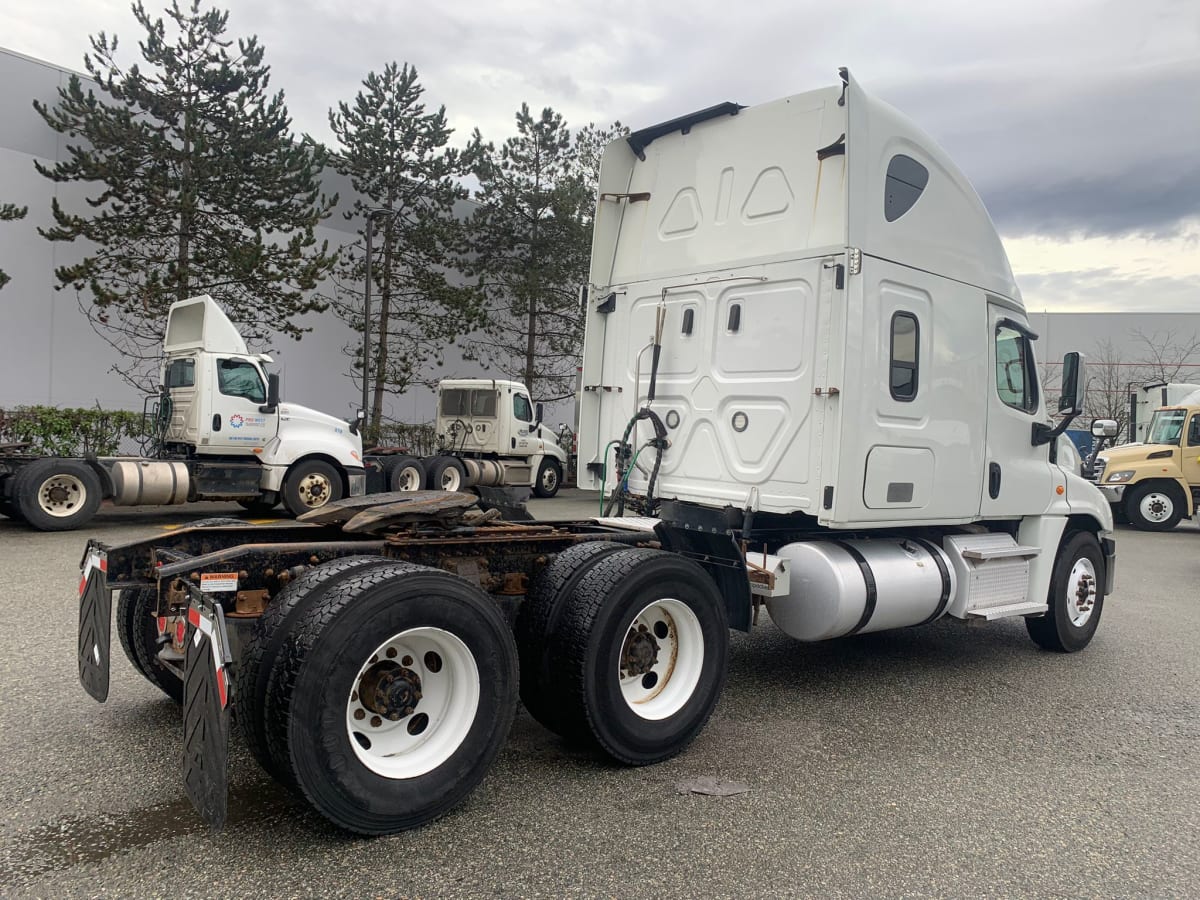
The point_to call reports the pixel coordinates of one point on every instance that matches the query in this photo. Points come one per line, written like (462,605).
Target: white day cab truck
(1155,484)
(218,431)
(809,369)
(489,435)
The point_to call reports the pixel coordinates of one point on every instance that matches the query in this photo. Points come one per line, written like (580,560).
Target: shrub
(69,432)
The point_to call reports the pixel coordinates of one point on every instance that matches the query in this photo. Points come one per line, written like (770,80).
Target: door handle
(216,422)
(994,480)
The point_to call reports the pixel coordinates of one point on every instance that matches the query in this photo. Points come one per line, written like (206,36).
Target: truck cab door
(523,443)
(1191,451)
(1018,479)
(235,423)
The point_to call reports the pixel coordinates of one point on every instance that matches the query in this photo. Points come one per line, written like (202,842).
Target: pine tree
(10,212)
(200,187)
(531,240)
(396,156)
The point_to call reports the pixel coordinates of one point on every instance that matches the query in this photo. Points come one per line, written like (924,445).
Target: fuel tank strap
(931,549)
(868,582)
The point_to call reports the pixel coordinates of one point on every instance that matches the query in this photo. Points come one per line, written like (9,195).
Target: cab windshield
(1166,426)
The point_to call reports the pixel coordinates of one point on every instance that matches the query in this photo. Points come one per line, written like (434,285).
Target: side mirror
(1070,402)
(1104,428)
(583,297)
(538,414)
(359,417)
(272,393)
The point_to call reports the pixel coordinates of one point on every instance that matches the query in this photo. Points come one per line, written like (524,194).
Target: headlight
(1120,476)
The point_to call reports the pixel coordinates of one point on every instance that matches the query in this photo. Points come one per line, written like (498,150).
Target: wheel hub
(390,690)
(640,653)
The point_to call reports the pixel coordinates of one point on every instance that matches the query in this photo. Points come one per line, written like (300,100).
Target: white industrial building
(51,355)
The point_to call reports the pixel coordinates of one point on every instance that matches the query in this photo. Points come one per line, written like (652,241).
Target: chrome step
(1004,612)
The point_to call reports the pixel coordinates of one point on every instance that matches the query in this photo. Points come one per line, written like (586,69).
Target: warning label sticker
(211,582)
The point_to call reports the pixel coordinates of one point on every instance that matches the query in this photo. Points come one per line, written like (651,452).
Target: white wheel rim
(61,496)
(315,490)
(451,479)
(408,479)
(1156,507)
(444,670)
(1081,592)
(549,479)
(661,659)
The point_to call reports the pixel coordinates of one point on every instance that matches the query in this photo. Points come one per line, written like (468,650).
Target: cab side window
(1016,378)
(238,378)
(905,342)
(1193,439)
(521,408)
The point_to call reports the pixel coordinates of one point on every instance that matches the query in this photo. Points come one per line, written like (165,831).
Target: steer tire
(468,695)
(1065,627)
(56,494)
(634,720)
(549,479)
(1163,498)
(538,622)
(309,485)
(137,630)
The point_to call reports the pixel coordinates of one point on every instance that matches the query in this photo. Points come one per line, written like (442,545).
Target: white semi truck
(218,430)
(807,366)
(490,435)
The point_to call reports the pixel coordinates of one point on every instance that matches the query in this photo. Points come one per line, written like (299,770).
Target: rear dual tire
(386,632)
(56,494)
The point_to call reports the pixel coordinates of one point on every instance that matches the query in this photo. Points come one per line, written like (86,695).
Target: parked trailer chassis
(238,615)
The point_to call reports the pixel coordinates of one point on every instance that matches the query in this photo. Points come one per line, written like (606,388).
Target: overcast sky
(1078,122)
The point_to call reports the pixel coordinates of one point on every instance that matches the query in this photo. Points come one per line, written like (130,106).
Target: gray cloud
(1107,290)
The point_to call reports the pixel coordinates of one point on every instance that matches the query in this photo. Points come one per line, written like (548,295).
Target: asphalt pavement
(942,761)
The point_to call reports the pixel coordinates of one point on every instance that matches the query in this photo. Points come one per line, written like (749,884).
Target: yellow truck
(1156,483)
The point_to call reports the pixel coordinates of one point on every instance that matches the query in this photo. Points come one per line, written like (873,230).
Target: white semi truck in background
(218,431)
(489,434)
(808,367)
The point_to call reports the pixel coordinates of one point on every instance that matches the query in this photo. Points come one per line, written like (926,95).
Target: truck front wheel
(399,686)
(56,494)
(1076,597)
(549,478)
(310,484)
(1153,506)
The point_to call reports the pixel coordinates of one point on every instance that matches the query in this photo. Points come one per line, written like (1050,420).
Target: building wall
(50,353)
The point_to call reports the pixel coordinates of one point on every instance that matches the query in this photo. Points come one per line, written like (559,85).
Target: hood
(1135,453)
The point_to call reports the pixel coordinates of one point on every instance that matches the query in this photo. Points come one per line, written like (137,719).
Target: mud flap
(95,624)
(206,696)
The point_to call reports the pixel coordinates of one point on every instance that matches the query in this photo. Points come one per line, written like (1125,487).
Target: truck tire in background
(537,627)
(446,473)
(1154,506)
(645,642)
(549,478)
(310,484)
(404,473)
(1076,597)
(56,494)
(396,691)
(8,506)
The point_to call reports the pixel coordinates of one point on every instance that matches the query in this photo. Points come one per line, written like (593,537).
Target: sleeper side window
(906,342)
(181,373)
(906,180)
(1016,381)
